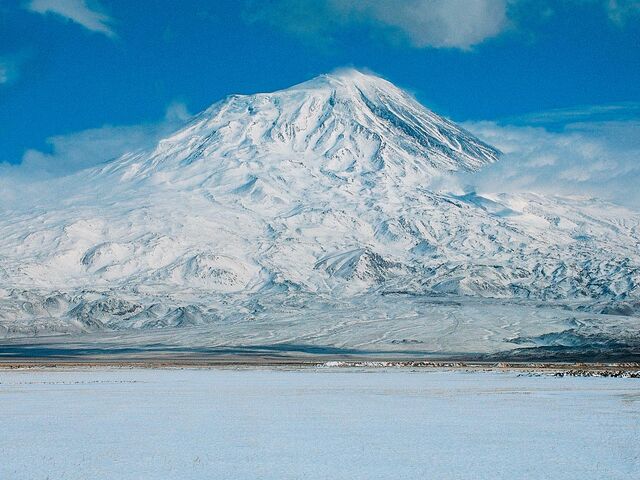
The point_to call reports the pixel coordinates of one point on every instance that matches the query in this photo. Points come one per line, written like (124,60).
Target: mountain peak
(347,78)
(348,125)
(355,76)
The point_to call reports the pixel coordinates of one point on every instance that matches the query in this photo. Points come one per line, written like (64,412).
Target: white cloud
(75,151)
(423,23)
(435,23)
(460,24)
(87,13)
(593,158)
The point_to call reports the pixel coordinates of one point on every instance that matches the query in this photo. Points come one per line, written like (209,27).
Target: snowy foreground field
(102,423)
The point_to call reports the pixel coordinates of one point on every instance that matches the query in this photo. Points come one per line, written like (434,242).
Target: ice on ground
(327,423)
(366,325)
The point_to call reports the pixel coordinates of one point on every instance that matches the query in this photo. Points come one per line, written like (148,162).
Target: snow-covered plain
(315,423)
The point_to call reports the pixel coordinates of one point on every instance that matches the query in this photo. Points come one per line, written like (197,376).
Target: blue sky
(81,80)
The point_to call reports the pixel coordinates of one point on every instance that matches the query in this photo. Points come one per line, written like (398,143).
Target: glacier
(313,218)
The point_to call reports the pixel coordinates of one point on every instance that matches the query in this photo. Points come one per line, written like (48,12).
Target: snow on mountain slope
(344,126)
(322,190)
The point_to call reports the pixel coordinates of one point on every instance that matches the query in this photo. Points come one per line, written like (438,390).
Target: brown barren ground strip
(629,369)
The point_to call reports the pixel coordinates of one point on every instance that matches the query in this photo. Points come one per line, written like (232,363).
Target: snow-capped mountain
(324,190)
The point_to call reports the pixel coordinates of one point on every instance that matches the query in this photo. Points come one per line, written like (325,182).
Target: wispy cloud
(75,151)
(618,12)
(622,11)
(8,70)
(591,113)
(4,71)
(87,13)
(592,157)
(423,23)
